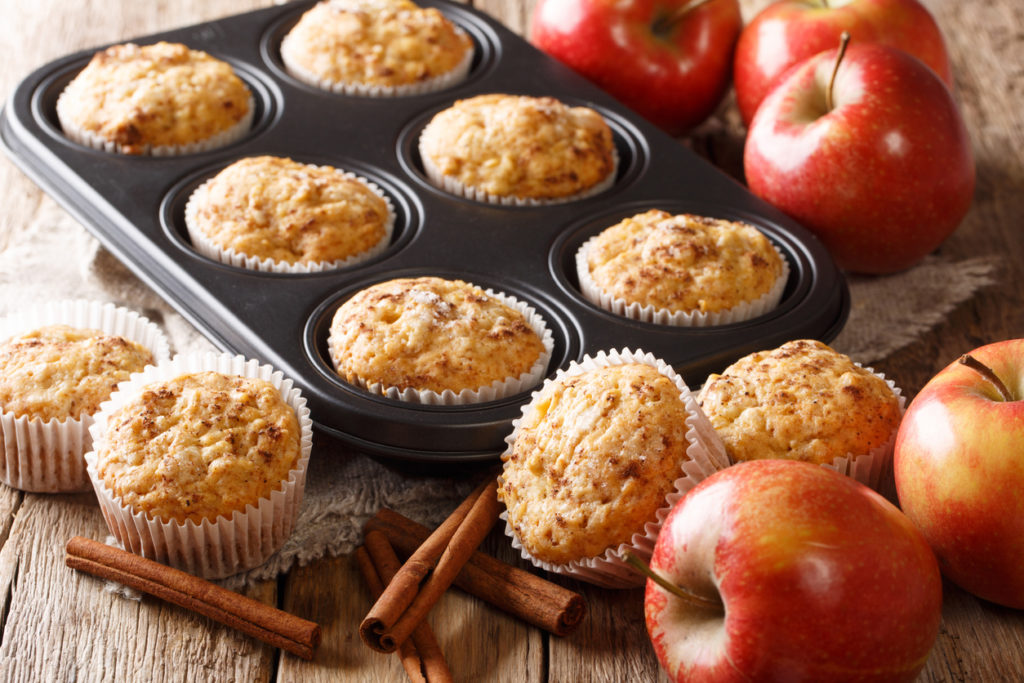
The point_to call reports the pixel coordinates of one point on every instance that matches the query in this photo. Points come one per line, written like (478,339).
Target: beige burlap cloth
(55,258)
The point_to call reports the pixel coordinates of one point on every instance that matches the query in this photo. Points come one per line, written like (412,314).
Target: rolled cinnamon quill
(430,570)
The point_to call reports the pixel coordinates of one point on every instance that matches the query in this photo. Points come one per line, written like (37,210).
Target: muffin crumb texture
(519,146)
(276,208)
(801,401)
(593,459)
(160,95)
(431,334)
(683,262)
(61,372)
(199,446)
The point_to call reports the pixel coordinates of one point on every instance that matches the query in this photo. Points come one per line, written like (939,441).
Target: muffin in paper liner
(745,310)
(458,188)
(230,256)
(492,392)
(229,545)
(706,456)
(47,456)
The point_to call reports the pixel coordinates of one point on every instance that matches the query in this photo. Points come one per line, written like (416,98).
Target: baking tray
(135,206)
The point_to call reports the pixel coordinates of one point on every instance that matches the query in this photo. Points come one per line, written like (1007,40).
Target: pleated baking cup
(445,80)
(496,390)
(456,187)
(76,133)
(229,545)
(47,456)
(706,456)
(745,310)
(228,255)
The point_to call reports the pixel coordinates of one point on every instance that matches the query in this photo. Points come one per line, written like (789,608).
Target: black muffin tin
(135,205)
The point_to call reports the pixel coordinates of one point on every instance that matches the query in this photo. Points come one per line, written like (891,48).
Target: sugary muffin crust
(375,42)
(683,262)
(801,401)
(519,146)
(198,446)
(431,334)
(165,94)
(279,209)
(593,459)
(60,372)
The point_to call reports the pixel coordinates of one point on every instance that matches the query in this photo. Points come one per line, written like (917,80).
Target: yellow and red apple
(785,33)
(877,163)
(668,60)
(791,571)
(959,466)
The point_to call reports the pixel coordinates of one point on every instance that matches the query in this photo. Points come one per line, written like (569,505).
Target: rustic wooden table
(59,625)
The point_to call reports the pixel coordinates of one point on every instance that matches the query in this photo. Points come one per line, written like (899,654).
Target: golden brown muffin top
(683,262)
(594,457)
(431,334)
(801,401)
(157,95)
(276,208)
(60,372)
(198,446)
(375,42)
(520,146)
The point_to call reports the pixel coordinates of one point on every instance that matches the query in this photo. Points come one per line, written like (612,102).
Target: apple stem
(664,24)
(678,591)
(844,40)
(986,372)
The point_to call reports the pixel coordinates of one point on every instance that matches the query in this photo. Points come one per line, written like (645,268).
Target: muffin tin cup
(663,316)
(77,133)
(440,82)
(706,456)
(47,456)
(456,187)
(230,256)
(496,390)
(229,545)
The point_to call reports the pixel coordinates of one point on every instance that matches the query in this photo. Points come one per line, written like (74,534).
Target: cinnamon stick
(267,623)
(430,661)
(525,596)
(405,602)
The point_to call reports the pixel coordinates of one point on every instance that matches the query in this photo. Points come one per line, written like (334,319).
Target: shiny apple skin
(675,81)
(822,580)
(959,466)
(785,33)
(884,177)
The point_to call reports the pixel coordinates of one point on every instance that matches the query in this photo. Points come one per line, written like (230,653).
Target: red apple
(959,466)
(883,175)
(806,575)
(785,33)
(668,60)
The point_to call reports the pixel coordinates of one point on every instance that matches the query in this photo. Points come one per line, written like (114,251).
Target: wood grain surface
(61,626)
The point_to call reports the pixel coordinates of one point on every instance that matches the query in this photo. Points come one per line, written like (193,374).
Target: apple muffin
(803,401)
(682,269)
(433,340)
(155,99)
(515,149)
(596,461)
(376,48)
(273,213)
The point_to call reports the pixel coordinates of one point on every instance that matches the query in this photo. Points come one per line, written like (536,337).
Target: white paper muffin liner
(47,457)
(210,249)
(74,132)
(492,392)
(228,545)
(706,456)
(456,187)
(663,316)
(446,80)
